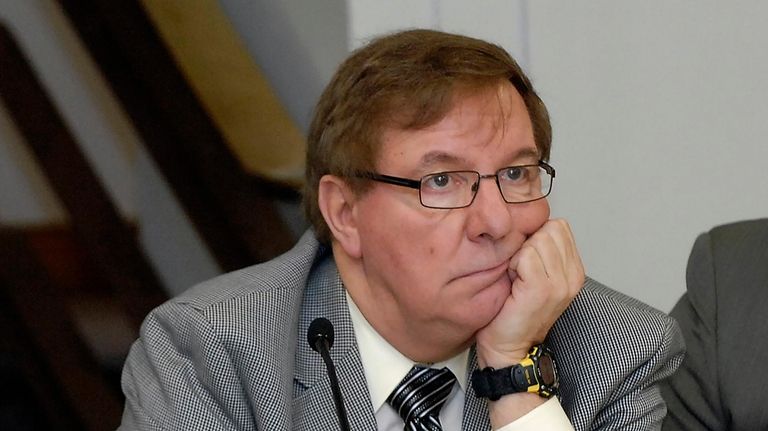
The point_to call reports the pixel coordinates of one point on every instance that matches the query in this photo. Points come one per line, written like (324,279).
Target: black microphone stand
(320,337)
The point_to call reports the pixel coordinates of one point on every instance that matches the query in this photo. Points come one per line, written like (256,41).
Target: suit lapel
(313,406)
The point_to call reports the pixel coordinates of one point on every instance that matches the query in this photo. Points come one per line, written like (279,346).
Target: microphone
(320,338)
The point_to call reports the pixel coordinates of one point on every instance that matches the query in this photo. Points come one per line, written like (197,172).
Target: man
(721,383)
(431,248)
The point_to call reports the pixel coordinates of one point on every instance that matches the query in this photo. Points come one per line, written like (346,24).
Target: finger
(551,255)
(528,264)
(575,266)
(560,232)
(546,284)
(562,235)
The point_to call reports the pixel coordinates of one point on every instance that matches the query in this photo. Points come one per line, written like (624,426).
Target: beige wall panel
(231,87)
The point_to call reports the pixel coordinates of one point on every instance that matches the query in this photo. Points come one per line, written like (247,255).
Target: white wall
(499,21)
(658,111)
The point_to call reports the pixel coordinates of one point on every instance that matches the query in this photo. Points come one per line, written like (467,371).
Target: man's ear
(337,204)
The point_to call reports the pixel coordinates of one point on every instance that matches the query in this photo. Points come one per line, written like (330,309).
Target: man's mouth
(489,274)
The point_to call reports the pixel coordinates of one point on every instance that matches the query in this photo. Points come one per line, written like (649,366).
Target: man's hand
(546,275)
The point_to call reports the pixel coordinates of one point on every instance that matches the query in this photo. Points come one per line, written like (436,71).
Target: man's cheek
(529,217)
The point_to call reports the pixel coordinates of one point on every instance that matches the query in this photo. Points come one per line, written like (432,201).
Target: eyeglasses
(457,189)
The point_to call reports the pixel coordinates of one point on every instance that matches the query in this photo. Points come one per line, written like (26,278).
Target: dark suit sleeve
(692,394)
(178,376)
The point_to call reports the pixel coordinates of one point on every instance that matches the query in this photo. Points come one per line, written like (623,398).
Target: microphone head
(320,329)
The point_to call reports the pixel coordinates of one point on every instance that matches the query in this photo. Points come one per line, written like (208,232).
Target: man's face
(437,272)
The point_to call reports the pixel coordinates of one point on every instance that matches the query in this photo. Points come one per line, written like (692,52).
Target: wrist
(487,357)
(535,373)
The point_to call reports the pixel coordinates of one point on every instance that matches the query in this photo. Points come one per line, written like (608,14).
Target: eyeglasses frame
(416,184)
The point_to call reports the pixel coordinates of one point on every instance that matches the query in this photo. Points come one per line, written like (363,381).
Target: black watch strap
(523,377)
(492,383)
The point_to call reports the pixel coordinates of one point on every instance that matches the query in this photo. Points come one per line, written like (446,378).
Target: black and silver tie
(419,397)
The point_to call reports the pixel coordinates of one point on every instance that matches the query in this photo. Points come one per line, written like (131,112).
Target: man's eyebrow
(442,158)
(526,153)
(439,157)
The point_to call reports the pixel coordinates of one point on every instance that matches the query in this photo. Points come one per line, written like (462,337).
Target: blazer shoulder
(232,339)
(620,330)
(742,236)
(598,301)
(611,352)
(738,258)
(748,228)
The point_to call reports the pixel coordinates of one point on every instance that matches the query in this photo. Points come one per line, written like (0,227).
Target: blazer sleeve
(636,403)
(692,394)
(179,376)
(613,351)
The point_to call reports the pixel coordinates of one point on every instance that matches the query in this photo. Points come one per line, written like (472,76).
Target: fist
(546,274)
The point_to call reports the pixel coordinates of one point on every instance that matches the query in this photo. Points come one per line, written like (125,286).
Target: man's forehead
(439,157)
(489,128)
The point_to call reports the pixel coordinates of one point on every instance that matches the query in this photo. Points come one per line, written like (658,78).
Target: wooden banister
(110,242)
(234,212)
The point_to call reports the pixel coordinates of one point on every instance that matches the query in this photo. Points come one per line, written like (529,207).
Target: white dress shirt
(385,367)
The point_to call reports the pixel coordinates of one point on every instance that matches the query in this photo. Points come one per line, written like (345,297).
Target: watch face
(547,370)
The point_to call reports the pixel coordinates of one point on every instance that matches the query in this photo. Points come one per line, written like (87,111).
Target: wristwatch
(536,373)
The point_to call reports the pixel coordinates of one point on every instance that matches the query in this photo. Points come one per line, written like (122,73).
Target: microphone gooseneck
(320,339)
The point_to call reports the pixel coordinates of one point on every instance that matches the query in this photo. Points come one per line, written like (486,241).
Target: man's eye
(439,181)
(513,174)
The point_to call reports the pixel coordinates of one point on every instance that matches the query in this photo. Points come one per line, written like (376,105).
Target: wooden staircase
(72,297)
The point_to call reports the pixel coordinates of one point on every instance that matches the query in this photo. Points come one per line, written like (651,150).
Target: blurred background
(148,145)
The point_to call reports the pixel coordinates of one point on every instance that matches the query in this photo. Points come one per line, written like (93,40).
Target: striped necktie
(419,397)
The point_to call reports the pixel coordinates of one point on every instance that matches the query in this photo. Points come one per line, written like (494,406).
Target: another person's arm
(692,395)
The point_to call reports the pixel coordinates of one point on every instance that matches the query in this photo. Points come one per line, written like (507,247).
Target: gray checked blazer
(231,354)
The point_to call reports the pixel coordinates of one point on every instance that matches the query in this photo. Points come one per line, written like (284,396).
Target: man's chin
(487,303)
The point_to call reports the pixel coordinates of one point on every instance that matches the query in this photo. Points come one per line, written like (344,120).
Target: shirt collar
(384,366)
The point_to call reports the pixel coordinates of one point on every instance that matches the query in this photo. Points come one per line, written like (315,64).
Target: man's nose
(489,214)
